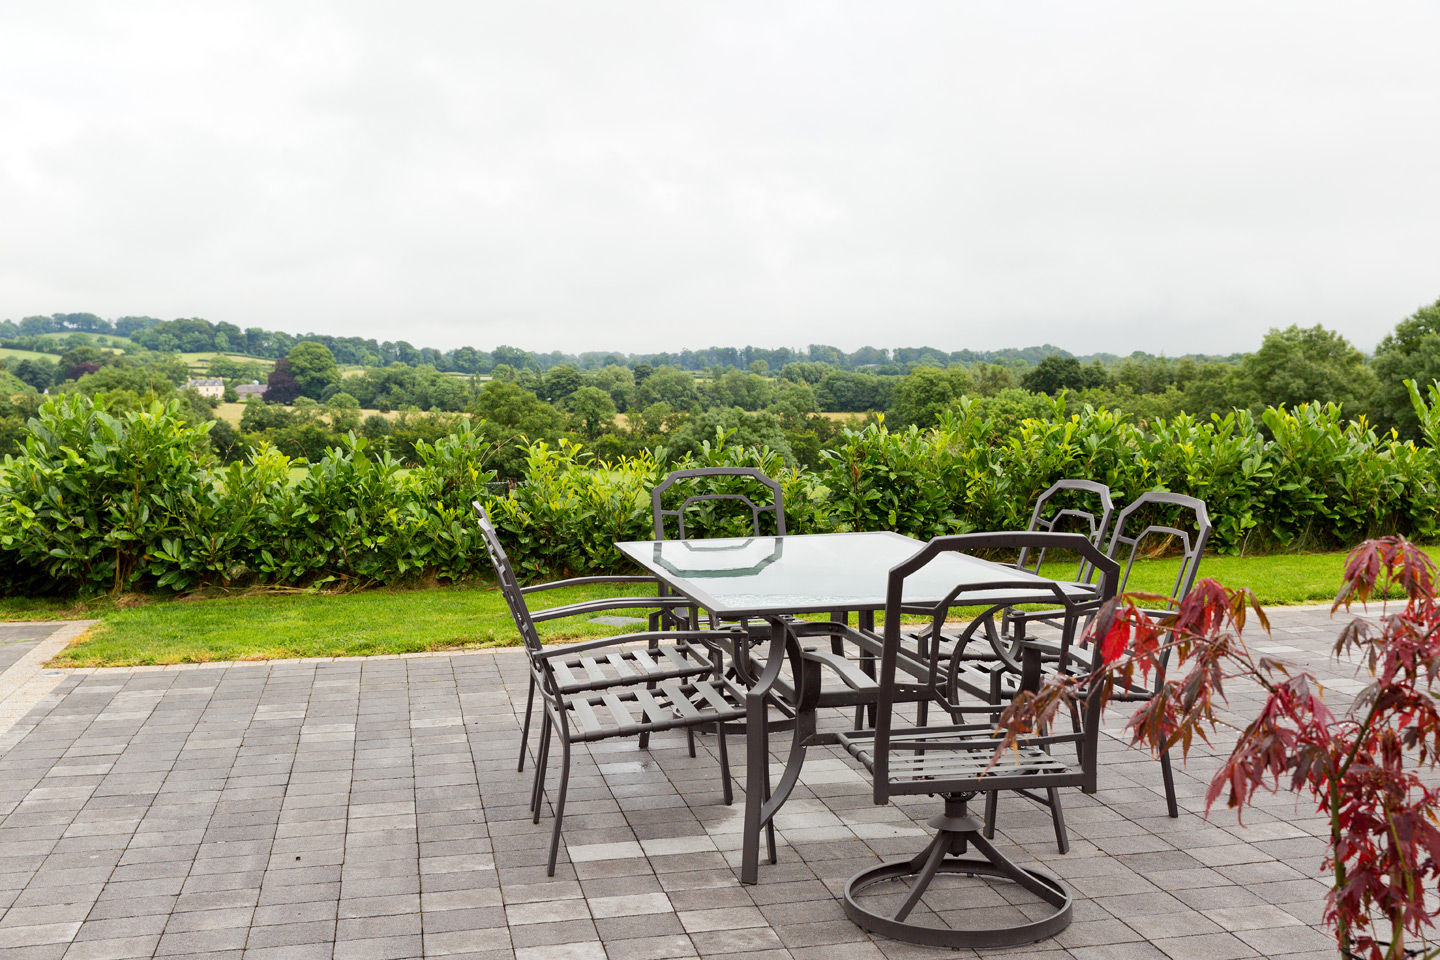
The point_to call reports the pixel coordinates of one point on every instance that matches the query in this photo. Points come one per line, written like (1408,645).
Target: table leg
(757,752)
(761,804)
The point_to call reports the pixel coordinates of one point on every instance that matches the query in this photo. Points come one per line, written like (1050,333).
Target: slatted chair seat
(967,750)
(631,665)
(670,704)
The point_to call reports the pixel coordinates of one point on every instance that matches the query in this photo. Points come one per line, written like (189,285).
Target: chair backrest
(509,586)
(1076,608)
(1185,523)
(1079,506)
(747,478)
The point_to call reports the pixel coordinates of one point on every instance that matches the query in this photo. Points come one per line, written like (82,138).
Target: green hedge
(100,502)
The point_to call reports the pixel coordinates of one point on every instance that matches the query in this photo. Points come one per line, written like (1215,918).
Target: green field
(387,621)
(199,361)
(8,353)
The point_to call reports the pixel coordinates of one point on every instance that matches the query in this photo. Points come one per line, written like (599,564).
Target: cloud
(1173,178)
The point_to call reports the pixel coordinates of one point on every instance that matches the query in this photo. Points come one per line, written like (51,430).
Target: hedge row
(97,502)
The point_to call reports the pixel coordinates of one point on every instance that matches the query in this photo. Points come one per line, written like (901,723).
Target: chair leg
(690,736)
(537,793)
(1169,776)
(992,809)
(559,804)
(654,646)
(769,824)
(727,792)
(525,729)
(1057,816)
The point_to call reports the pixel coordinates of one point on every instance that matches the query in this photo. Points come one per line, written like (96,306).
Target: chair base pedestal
(955,833)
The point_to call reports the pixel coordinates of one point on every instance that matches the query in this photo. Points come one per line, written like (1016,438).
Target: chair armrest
(583,581)
(609,603)
(548,653)
(801,629)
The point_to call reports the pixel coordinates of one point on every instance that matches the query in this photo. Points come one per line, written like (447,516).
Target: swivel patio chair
(957,762)
(614,687)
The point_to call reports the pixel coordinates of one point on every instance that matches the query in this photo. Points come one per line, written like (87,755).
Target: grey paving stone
(371,809)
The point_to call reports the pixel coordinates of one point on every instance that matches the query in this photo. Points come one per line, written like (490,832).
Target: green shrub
(93,500)
(101,499)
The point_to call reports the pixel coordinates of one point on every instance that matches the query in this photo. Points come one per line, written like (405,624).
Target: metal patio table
(773,578)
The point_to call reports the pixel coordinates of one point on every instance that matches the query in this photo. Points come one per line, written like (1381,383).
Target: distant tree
(655,422)
(282,387)
(591,411)
(78,361)
(924,393)
(516,410)
(826,354)
(618,382)
(991,378)
(226,440)
(560,382)
(1055,373)
(38,372)
(869,356)
(794,400)
(748,391)
(1410,351)
(845,391)
(127,326)
(313,367)
(375,427)
(1006,409)
(668,385)
(512,357)
(344,412)
(1303,364)
(804,371)
(742,429)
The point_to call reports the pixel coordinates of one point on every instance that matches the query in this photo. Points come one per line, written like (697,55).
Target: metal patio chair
(613,686)
(1158,520)
(715,512)
(1078,506)
(956,761)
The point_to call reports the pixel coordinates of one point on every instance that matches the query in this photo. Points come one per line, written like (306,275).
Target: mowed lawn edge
(472,616)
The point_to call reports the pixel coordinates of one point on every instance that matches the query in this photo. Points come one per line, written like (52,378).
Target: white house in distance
(253,389)
(207,386)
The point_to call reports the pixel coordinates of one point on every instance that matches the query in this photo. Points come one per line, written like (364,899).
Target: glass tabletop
(817,573)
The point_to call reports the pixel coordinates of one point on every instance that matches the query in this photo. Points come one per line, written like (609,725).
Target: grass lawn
(387,621)
(234,411)
(10,353)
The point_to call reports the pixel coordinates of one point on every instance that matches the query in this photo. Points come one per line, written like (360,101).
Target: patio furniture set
(733,647)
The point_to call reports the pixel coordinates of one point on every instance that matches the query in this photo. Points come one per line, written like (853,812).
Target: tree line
(632,404)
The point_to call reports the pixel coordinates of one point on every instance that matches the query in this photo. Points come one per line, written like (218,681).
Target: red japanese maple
(1363,767)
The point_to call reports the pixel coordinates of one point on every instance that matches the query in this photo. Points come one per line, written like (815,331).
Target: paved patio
(367,809)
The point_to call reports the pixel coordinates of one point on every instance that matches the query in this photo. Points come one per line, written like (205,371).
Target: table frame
(763,679)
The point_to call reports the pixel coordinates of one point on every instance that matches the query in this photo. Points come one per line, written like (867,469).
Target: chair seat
(672,703)
(953,752)
(622,666)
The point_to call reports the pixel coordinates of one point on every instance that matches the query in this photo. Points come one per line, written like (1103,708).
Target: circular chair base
(1007,936)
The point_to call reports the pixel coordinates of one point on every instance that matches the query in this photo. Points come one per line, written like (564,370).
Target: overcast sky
(643,176)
